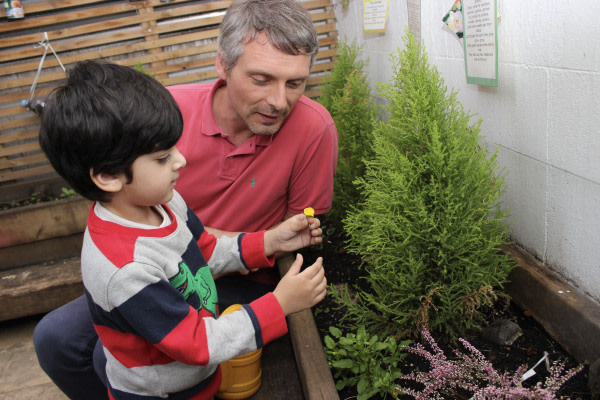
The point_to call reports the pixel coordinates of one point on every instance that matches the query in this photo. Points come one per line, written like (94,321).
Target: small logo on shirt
(252,183)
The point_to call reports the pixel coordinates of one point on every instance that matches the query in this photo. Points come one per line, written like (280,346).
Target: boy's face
(264,85)
(154,177)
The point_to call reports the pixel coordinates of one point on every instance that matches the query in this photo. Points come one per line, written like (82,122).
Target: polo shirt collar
(209,125)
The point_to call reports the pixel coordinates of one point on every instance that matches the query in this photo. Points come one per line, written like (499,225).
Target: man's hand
(293,234)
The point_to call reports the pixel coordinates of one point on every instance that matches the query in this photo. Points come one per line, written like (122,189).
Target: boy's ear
(107,182)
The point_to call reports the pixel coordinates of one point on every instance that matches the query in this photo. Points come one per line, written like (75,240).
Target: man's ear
(108,183)
(220,66)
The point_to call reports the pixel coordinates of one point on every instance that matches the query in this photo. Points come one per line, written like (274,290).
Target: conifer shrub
(430,220)
(347,96)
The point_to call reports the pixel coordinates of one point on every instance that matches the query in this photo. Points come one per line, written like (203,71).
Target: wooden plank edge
(570,317)
(45,220)
(40,252)
(38,289)
(313,368)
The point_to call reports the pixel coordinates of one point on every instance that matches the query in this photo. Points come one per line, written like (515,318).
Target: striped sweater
(154,304)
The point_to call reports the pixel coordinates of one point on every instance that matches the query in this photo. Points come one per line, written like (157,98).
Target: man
(262,151)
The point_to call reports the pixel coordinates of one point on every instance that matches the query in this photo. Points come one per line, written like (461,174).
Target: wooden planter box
(570,316)
(40,245)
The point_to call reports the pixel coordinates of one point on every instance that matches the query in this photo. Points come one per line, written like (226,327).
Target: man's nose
(277,96)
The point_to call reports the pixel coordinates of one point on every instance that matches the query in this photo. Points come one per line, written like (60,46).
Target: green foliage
(363,361)
(36,197)
(66,193)
(346,62)
(346,95)
(431,220)
(140,68)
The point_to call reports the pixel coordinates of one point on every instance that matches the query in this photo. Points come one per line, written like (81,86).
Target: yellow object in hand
(241,376)
(309,212)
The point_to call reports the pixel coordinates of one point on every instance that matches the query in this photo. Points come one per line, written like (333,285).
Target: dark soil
(33,199)
(343,267)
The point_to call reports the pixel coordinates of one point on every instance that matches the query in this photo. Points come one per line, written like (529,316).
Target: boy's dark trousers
(70,353)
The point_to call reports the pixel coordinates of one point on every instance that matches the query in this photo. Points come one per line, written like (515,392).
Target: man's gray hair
(286,24)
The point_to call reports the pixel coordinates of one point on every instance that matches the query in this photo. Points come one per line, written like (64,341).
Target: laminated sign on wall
(375,15)
(480,36)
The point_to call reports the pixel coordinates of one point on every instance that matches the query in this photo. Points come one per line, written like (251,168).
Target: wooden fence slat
(21,135)
(55,5)
(174,41)
(51,61)
(191,78)
(18,149)
(6,176)
(87,42)
(12,110)
(146,59)
(311,4)
(30,119)
(62,34)
(59,38)
(75,15)
(6,163)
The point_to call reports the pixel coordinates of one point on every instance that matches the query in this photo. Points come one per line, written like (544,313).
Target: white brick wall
(544,115)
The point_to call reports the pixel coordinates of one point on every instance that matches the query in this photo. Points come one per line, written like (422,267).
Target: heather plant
(346,95)
(470,376)
(364,362)
(430,220)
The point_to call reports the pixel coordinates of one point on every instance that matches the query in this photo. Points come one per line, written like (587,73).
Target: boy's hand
(297,290)
(292,234)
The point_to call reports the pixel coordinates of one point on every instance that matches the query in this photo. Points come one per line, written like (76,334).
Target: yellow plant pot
(241,376)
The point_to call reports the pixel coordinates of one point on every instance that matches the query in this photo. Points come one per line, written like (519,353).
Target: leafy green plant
(431,220)
(347,96)
(140,68)
(66,193)
(35,198)
(363,361)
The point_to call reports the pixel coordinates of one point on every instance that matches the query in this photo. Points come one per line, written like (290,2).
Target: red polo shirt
(249,188)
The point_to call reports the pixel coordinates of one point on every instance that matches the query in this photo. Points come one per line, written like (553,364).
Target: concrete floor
(21,377)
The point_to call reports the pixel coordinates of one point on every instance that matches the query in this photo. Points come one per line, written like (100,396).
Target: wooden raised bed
(313,368)
(40,246)
(570,316)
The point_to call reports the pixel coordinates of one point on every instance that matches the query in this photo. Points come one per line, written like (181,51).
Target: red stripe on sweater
(131,350)
(187,342)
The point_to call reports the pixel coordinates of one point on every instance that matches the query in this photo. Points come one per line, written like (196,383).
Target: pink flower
(473,374)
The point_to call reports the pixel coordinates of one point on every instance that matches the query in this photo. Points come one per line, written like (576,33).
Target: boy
(111,132)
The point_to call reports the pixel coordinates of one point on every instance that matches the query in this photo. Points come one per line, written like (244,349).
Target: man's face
(264,85)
